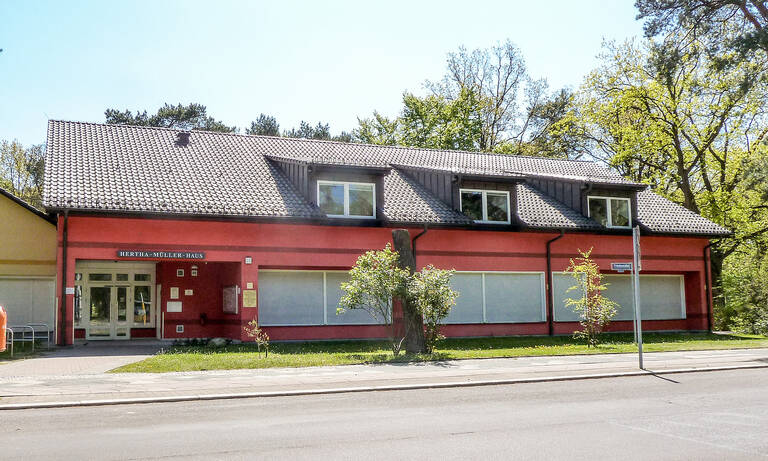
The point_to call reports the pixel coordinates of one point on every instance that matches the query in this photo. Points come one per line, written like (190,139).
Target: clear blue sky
(312,60)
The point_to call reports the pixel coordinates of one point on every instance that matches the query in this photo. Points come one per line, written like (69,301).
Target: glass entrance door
(108,312)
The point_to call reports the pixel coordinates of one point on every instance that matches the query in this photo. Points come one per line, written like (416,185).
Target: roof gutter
(707,286)
(413,243)
(550,291)
(63,304)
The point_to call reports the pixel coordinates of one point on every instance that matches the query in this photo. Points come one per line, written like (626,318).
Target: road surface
(714,415)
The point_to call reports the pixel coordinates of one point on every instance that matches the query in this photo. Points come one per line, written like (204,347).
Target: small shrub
(595,310)
(374,281)
(430,291)
(259,336)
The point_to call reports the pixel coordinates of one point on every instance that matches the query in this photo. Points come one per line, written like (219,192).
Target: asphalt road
(715,415)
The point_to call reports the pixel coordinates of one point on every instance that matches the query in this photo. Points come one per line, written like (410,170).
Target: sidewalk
(105,388)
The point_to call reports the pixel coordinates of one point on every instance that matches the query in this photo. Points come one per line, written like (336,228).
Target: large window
(662,297)
(347,199)
(486,206)
(610,211)
(498,297)
(305,298)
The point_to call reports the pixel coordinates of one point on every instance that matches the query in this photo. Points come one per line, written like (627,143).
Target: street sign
(621,267)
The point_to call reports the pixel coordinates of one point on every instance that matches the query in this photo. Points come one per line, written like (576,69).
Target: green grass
(311,354)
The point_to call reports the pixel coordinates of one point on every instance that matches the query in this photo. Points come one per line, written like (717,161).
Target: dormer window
(610,211)
(347,199)
(486,206)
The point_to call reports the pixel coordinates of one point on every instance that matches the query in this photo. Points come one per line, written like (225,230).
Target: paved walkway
(105,386)
(84,358)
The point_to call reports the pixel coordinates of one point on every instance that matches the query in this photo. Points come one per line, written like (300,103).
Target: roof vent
(182,138)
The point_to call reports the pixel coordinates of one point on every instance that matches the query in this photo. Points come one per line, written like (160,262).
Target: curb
(348,390)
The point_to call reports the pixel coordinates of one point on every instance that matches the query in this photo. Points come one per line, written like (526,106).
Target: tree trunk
(414,324)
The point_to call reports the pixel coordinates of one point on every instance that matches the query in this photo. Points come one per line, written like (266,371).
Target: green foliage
(485,102)
(374,281)
(190,117)
(430,292)
(745,292)
(320,131)
(265,125)
(259,336)
(377,278)
(669,114)
(711,19)
(21,171)
(595,310)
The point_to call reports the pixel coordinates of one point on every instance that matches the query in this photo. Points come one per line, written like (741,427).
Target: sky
(330,61)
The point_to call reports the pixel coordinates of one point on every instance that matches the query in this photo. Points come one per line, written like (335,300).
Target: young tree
(190,117)
(429,290)
(595,310)
(374,281)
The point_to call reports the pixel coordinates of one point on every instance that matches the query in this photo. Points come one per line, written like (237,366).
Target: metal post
(636,292)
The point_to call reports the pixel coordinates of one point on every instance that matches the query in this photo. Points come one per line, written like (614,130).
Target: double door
(109,314)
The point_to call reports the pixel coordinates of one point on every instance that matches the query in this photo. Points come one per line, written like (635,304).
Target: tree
(374,281)
(595,310)
(485,102)
(265,125)
(432,121)
(694,19)
(414,322)
(320,131)
(190,117)
(669,116)
(429,290)
(21,171)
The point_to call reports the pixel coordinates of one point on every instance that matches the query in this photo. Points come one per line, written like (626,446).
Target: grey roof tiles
(118,168)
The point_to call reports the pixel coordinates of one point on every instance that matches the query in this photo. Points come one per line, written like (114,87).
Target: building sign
(160,254)
(621,267)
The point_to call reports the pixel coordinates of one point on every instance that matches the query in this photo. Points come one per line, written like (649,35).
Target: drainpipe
(707,287)
(413,244)
(63,306)
(550,291)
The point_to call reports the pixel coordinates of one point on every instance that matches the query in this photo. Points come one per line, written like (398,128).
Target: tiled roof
(407,201)
(663,216)
(120,168)
(538,210)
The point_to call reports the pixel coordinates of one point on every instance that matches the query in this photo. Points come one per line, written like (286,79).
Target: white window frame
(484,193)
(608,210)
(543,293)
(346,185)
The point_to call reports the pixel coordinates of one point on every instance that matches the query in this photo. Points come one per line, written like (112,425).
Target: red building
(172,234)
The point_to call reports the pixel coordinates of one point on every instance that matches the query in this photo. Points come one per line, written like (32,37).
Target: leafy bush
(374,281)
(430,291)
(595,310)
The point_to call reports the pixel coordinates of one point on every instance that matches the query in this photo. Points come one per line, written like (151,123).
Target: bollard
(3,322)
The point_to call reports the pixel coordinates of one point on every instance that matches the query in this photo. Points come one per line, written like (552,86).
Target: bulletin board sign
(250,298)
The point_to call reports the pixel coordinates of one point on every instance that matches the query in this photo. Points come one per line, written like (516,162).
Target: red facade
(227,244)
